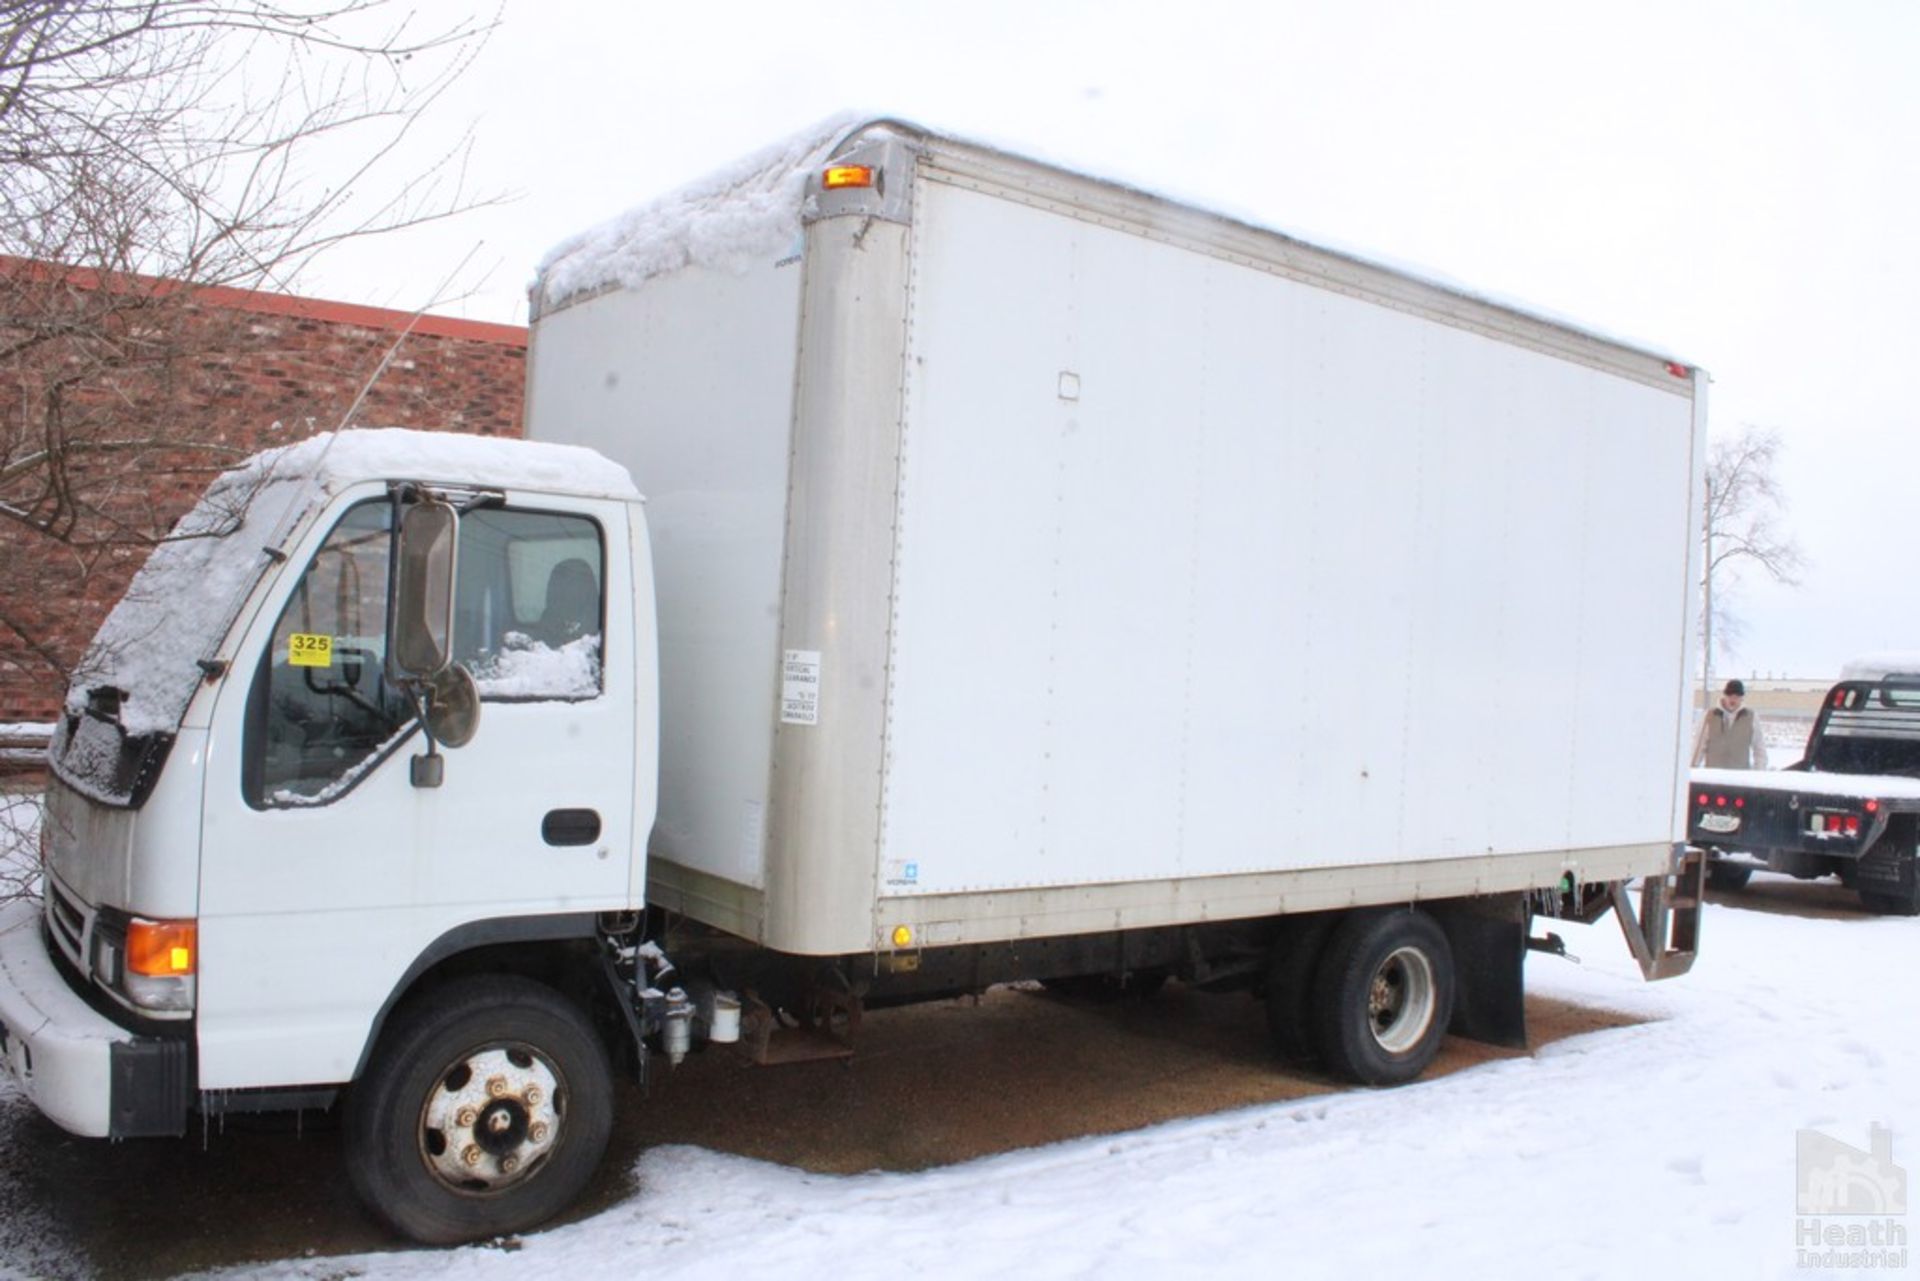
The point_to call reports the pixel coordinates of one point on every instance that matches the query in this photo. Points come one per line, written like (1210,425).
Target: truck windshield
(135,681)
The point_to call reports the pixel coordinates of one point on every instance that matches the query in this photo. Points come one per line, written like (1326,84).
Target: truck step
(768,1042)
(1664,935)
(798,1045)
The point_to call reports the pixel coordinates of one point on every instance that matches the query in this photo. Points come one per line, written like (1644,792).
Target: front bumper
(88,1074)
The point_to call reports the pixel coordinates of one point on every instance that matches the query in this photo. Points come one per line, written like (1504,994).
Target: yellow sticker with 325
(307,650)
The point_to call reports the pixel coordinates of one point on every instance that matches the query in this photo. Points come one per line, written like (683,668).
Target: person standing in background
(1729,737)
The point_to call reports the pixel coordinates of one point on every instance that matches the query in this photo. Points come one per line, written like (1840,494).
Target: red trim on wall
(293,306)
(349,313)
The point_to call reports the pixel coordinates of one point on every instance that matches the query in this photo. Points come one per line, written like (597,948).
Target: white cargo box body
(1036,556)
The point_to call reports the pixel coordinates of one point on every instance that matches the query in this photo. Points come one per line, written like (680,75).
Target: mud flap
(1489,941)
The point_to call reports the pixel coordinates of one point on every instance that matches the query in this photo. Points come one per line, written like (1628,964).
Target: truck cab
(261,839)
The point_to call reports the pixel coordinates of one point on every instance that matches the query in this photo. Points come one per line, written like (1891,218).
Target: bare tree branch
(157,152)
(1745,512)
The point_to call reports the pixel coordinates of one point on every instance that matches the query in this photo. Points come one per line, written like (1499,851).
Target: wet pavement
(931,1084)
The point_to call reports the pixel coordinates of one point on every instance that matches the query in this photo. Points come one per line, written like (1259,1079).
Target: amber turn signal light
(839,176)
(161,949)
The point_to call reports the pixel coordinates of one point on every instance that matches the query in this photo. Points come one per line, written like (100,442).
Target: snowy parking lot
(1669,1137)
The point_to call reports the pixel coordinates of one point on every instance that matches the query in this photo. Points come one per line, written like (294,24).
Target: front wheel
(1383,996)
(486,1109)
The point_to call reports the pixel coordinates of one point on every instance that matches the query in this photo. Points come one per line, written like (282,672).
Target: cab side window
(529,615)
(529,605)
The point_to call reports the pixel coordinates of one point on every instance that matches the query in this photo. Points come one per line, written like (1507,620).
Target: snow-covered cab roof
(339,459)
(1884,665)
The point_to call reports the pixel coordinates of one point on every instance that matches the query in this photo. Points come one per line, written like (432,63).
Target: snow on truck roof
(753,208)
(339,459)
(1882,666)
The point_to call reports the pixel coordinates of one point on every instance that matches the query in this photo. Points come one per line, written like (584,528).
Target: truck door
(325,873)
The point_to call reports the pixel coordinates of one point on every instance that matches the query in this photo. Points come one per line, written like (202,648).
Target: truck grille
(67,923)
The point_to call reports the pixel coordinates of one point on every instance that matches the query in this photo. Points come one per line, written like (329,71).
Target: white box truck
(1037,579)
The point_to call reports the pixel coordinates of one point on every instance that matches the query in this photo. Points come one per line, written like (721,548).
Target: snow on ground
(1668,1145)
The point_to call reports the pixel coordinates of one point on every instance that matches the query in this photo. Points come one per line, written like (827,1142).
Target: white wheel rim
(491,1119)
(1400,1002)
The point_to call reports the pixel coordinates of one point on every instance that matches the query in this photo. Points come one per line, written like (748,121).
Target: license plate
(1720,823)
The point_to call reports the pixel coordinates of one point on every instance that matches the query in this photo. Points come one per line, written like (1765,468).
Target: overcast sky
(1733,182)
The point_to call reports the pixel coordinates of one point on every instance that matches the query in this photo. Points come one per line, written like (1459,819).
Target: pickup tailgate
(1804,810)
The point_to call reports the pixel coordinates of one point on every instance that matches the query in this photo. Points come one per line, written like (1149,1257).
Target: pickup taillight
(1830,823)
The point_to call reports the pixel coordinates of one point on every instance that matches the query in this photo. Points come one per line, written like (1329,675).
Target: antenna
(274,548)
(393,349)
(276,542)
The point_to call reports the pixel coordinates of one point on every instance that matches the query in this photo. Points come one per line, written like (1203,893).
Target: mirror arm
(429,770)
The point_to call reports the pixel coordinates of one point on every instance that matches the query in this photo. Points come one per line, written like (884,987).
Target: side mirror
(453,707)
(422,620)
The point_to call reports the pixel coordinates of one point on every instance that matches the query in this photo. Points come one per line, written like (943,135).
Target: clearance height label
(307,650)
(800,687)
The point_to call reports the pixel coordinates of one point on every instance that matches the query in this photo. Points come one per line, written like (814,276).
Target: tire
(443,1132)
(1728,876)
(1383,996)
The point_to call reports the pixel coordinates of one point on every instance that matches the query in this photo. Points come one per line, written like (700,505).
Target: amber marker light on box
(161,949)
(840,176)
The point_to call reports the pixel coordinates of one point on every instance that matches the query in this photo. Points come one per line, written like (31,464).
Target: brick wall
(266,370)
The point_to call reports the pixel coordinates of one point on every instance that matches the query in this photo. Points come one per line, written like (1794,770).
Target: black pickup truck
(1850,808)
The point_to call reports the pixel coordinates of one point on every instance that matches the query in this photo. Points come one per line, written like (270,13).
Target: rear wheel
(1383,996)
(485,1111)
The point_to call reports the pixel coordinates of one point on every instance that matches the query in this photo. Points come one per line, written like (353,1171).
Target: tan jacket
(1730,740)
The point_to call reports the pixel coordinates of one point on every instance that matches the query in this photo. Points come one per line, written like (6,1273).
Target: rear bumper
(88,1074)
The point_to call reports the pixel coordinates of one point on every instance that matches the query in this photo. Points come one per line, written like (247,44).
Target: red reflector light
(1677,369)
(1720,801)
(1853,825)
(1739,802)
(1873,807)
(1703,798)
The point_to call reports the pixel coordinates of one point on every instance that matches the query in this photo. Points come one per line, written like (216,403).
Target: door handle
(570,827)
